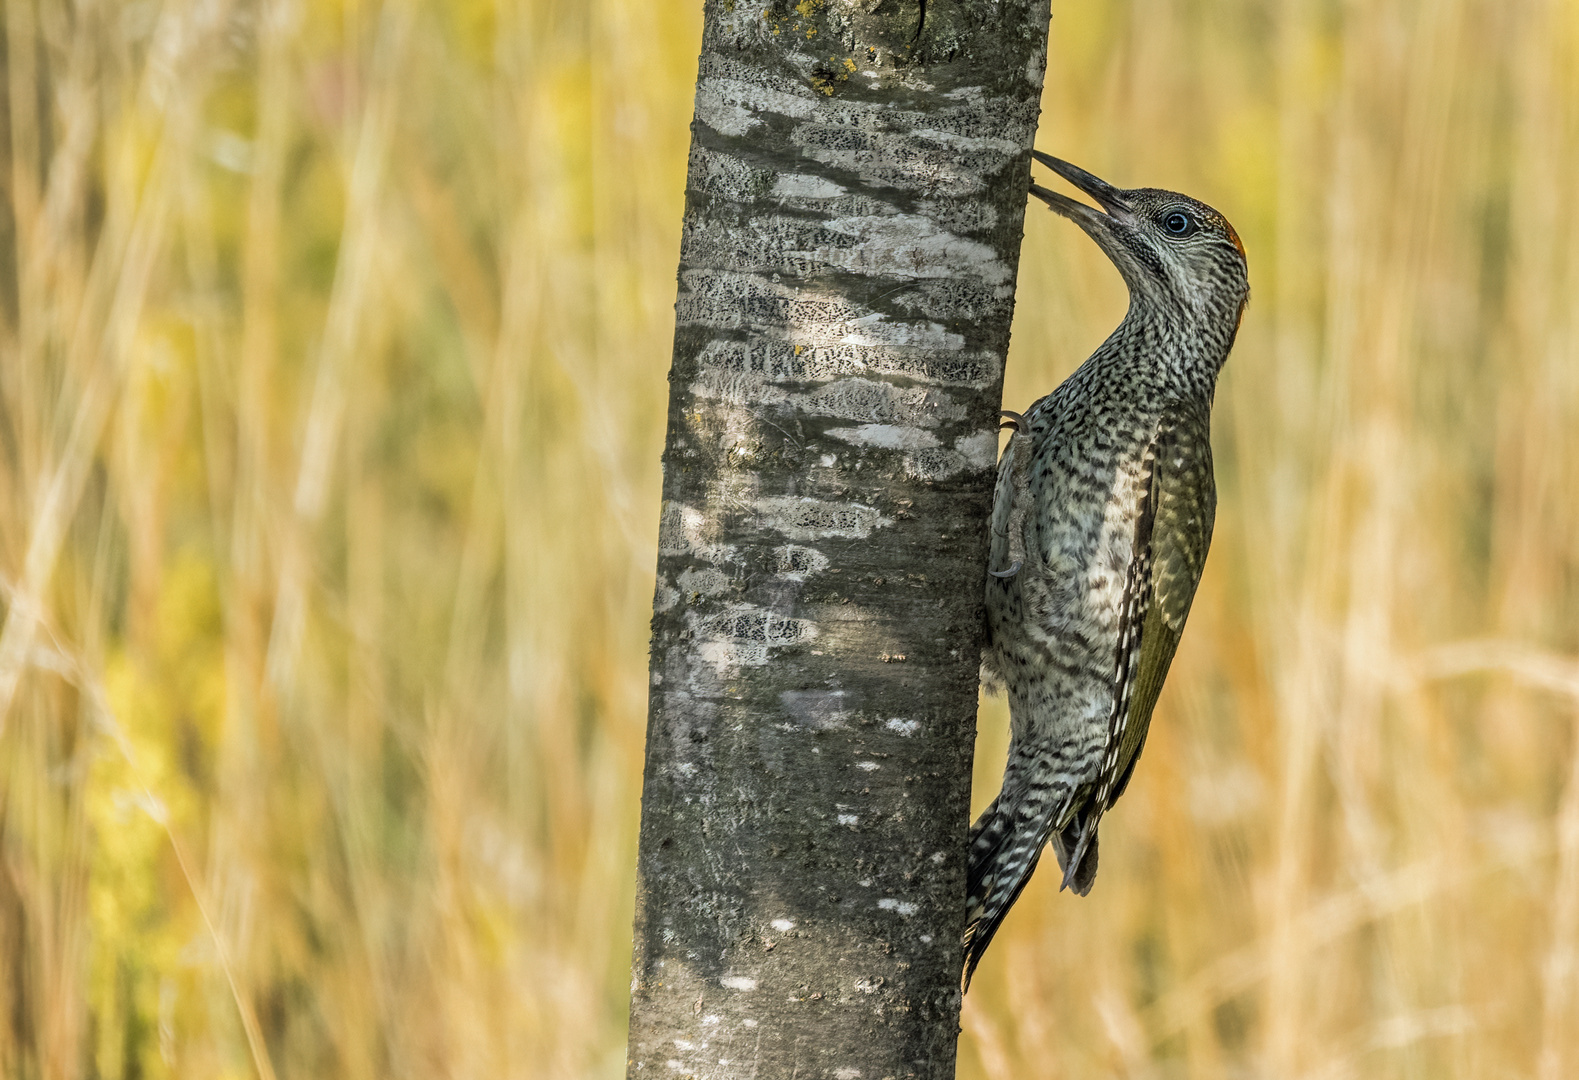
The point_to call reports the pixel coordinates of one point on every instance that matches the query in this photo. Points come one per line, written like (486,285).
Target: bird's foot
(1005,575)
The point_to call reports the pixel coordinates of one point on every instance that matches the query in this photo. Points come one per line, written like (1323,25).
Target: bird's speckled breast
(1053,627)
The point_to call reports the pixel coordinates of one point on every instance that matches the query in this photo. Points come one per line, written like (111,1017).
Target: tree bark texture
(854,207)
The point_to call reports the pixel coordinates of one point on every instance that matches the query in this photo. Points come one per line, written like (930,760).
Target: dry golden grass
(332,356)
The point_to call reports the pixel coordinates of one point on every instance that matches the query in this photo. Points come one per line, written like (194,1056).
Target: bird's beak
(1106,195)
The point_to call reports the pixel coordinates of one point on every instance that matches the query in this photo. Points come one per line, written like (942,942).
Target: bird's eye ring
(1178,224)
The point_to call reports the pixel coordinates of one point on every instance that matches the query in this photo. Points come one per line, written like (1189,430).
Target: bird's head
(1177,255)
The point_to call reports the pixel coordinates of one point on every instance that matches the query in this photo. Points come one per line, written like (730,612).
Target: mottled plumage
(1101,522)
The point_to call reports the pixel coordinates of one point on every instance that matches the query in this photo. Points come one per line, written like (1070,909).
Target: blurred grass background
(333,343)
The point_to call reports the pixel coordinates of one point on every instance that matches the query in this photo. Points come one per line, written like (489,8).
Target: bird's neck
(1176,352)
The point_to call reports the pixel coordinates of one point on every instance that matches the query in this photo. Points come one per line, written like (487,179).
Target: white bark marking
(685,530)
(720,115)
(814,519)
(796,563)
(743,635)
(878,329)
(980,450)
(886,436)
(730,106)
(903,907)
(972,451)
(971,144)
(705,582)
(760,98)
(803,186)
(737,370)
(845,399)
(907,245)
(819,710)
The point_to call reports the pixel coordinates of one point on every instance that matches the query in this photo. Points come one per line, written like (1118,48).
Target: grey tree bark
(854,207)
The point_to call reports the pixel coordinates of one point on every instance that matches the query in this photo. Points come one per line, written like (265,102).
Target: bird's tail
(1076,847)
(1005,844)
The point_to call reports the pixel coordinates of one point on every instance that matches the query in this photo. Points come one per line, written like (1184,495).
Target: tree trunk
(854,207)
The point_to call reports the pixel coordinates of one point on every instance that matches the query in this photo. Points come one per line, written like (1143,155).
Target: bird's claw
(1004,575)
(1016,421)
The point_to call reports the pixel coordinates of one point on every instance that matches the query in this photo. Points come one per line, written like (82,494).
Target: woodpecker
(1101,520)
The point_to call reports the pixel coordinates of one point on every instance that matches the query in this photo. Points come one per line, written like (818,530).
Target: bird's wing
(1011,502)
(1074,835)
(1181,505)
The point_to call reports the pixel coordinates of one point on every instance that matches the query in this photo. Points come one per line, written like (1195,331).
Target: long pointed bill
(1106,195)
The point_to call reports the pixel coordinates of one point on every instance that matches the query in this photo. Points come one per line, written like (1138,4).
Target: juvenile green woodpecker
(1101,521)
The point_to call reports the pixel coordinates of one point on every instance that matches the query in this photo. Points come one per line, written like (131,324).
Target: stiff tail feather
(1004,850)
(1005,847)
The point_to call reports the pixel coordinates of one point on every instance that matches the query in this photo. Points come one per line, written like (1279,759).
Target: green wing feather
(1183,502)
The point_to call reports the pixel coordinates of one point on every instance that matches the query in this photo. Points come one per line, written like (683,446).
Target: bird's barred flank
(1106,528)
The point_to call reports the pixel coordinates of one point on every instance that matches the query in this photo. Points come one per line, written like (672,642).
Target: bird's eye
(1179,224)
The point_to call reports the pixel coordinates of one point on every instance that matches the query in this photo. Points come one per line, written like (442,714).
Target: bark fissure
(854,208)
